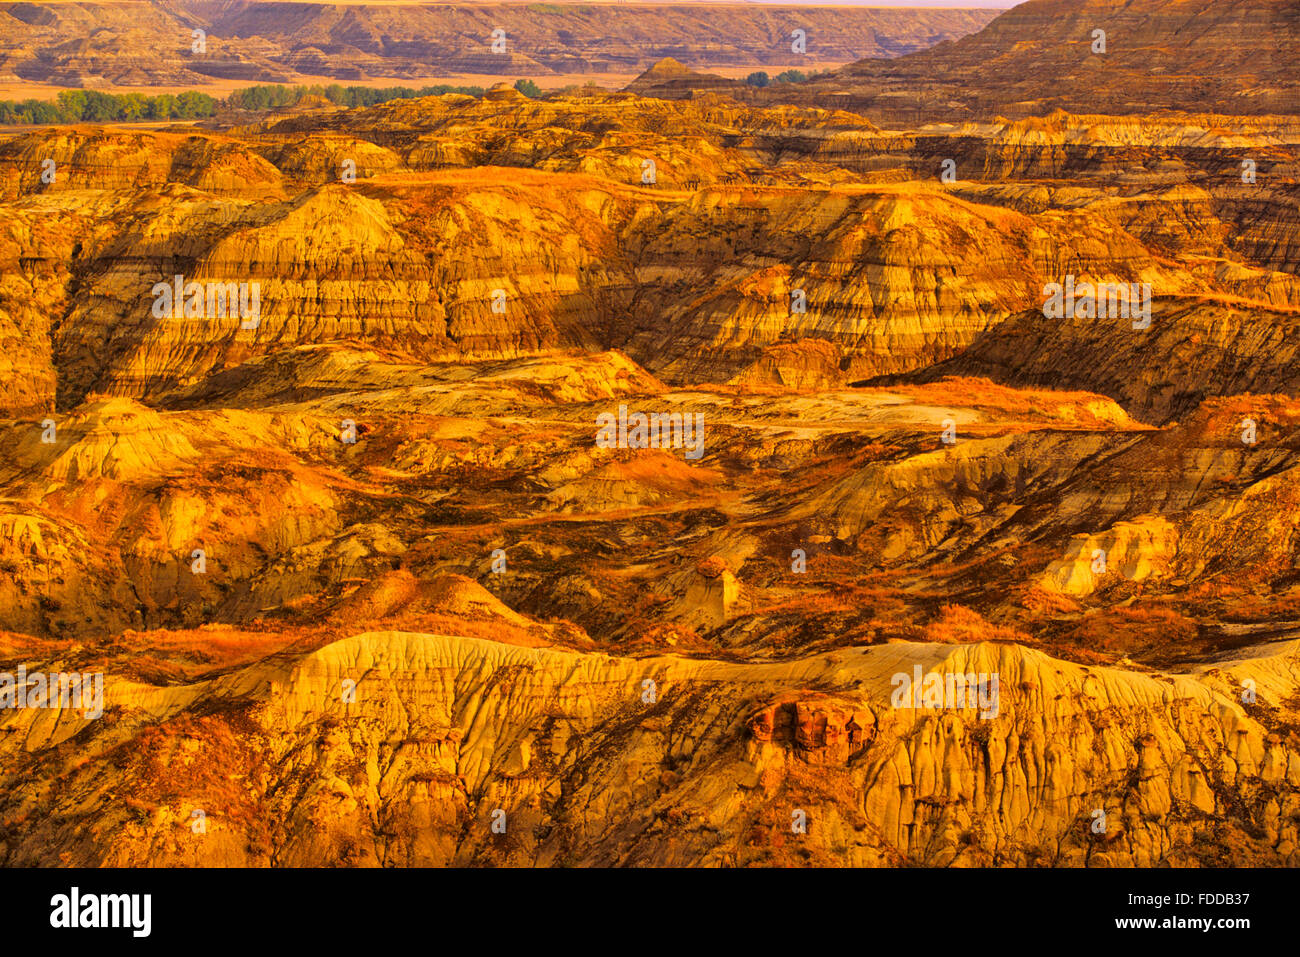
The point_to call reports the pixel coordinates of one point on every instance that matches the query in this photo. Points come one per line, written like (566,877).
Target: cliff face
(899,277)
(1235,56)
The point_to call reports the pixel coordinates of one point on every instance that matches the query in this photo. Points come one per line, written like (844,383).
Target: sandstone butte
(640,658)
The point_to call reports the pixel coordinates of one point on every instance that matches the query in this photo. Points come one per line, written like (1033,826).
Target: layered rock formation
(1192,350)
(673,236)
(493,632)
(447,737)
(604,479)
(151,44)
(1111,56)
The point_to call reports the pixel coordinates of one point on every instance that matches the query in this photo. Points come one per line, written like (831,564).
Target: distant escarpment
(153,43)
(1107,56)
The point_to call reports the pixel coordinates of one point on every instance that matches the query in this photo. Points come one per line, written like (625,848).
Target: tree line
(789,76)
(92,106)
(277,96)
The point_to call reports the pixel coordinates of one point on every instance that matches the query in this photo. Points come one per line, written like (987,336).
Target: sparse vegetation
(270,97)
(92,106)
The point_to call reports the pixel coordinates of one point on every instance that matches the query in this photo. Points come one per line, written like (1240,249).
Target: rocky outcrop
(78,159)
(805,364)
(897,277)
(409,749)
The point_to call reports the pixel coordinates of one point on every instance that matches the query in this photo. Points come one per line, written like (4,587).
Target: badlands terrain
(151,43)
(366,588)
(1113,56)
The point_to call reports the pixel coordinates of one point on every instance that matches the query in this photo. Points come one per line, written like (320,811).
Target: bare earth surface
(361,574)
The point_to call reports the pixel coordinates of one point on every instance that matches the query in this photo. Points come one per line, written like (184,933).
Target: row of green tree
(92,106)
(789,76)
(274,97)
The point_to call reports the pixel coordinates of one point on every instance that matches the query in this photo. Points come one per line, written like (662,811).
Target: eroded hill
(377,571)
